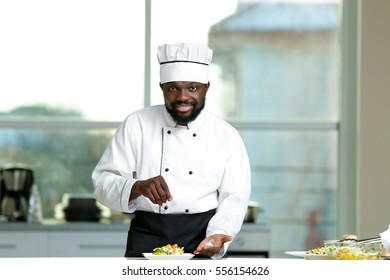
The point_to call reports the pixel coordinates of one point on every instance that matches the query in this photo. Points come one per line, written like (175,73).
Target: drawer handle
(7,246)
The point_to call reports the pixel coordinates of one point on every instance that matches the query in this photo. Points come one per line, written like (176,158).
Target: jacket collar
(193,125)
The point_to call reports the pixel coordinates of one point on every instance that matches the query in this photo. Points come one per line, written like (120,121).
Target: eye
(172,88)
(193,88)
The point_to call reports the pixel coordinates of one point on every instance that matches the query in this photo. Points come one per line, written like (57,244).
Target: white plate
(184,256)
(306,256)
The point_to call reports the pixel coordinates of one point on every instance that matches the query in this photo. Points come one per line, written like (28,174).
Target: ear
(207,86)
(161,85)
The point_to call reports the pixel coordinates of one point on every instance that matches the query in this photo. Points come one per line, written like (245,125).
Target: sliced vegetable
(168,249)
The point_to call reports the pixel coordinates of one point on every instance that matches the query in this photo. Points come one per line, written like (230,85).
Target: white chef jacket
(204,164)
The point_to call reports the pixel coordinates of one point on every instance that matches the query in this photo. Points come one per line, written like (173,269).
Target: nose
(182,95)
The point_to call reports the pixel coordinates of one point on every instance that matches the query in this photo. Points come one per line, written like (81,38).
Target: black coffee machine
(16,182)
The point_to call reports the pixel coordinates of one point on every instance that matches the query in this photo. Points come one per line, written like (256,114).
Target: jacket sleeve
(112,177)
(234,192)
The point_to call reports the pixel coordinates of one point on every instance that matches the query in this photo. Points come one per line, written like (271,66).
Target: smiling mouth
(183,108)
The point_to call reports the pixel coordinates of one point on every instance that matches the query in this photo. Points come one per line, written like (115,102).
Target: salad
(168,249)
(317,251)
(353,253)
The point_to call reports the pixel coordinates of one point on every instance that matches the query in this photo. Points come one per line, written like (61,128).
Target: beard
(185,119)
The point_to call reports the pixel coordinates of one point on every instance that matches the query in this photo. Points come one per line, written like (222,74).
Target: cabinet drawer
(23,244)
(87,244)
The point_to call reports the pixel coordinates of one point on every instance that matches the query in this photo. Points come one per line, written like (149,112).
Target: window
(72,70)
(72,55)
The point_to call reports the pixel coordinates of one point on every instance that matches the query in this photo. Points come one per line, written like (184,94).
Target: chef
(182,171)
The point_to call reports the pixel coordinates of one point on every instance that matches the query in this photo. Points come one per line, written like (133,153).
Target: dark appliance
(80,207)
(16,182)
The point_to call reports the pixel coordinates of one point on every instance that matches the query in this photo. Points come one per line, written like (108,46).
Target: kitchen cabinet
(23,244)
(87,244)
(83,239)
(62,240)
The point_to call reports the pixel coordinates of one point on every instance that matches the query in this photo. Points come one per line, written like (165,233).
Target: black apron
(150,230)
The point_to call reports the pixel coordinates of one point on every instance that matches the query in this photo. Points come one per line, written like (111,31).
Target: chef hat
(184,62)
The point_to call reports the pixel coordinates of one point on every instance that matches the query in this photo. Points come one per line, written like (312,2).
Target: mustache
(186,102)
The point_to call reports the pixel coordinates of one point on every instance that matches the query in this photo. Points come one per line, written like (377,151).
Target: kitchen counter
(56,238)
(55,225)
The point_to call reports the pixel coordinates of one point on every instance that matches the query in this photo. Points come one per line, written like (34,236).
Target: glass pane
(76,55)
(278,60)
(294,177)
(62,159)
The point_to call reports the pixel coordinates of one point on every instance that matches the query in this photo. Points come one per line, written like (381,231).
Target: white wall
(374,146)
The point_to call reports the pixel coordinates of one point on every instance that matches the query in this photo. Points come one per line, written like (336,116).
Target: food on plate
(350,250)
(317,251)
(348,237)
(168,249)
(353,253)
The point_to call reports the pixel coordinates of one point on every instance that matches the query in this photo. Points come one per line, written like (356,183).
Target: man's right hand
(156,189)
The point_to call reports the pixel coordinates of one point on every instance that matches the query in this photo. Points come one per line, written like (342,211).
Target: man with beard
(180,169)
